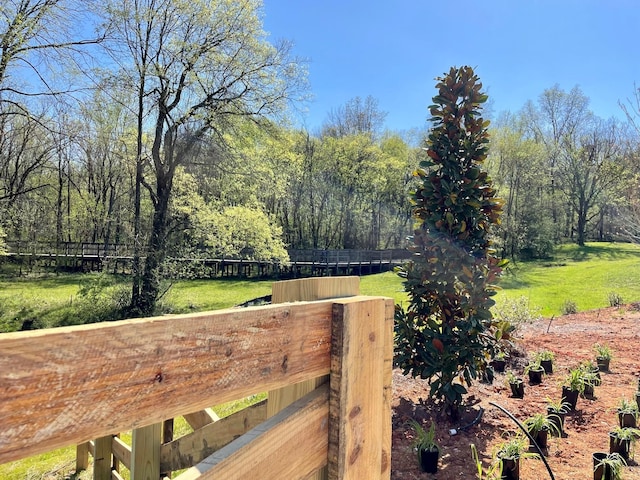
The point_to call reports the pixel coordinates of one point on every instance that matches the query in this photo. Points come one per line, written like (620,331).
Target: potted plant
(493,472)
(516,384)
(603,356)
(499,361)
(607,466)
(590,366)
(573,386)
(627,413)
(621,440)
(556,411)
(591,380)
(539,426)
(545,357)
(535,372)
(426,447)
(509,453)
(638,395)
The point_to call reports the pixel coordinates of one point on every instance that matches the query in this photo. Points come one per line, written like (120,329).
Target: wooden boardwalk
(87,257)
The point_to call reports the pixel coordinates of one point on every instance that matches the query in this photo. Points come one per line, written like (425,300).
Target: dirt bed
(571,337)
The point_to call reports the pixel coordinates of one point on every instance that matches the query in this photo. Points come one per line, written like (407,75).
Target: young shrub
(445,333)
(569,307)
(615,299)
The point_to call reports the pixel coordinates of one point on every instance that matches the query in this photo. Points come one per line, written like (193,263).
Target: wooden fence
(83,385)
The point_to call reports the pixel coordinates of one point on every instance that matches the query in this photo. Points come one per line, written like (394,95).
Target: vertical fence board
(387,395)
(102,458)
(307,289)
(82,456)
(145,452)
(356,403)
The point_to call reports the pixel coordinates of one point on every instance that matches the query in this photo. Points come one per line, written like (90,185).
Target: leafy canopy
(445,334)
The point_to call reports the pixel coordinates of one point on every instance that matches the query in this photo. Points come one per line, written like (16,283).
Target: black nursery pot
(603,364)
(511,468)
(627,419)
(498,365)
(535,376)
(556,419)
(547,365)
(541,437)
(601,472)
(617,445)
(517,389)
(429,460)
(570,396)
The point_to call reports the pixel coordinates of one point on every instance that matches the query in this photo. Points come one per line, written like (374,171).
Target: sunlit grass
(584,275)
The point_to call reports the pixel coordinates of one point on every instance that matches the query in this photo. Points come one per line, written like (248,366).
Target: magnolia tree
(445,334)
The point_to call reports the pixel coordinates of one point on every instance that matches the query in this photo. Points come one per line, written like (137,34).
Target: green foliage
(615,299)
(493,472)
(603,351)
(569,307)
(425,439)
(538,422)
(444,335)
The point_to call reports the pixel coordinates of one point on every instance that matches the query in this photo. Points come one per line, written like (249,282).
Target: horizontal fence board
(290,445)
(68,385)
(122,452)
(194,447)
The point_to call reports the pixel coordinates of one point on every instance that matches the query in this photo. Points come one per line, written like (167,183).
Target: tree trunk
(156,253)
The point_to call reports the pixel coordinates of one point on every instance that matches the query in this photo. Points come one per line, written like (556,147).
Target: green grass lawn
(586,276)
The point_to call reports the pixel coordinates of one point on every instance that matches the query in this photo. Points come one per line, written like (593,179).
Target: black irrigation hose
(533,442)
(453,431)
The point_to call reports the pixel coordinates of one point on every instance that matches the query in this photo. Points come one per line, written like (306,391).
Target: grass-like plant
(603,351)
(425,439)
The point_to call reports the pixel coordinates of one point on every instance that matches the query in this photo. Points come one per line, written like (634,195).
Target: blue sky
(394,49)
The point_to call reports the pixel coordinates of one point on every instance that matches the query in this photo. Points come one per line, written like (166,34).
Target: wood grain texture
(290,445)
(356,406)
(316,288)
(186,451)
(122,452)
(68,385)
(307,289)
(145,452)
(387,392)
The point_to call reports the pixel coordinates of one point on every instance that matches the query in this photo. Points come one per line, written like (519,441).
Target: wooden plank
(307,289)
(82,382)
(387,396)
(102,460)
(356,412)
(290,445)
(121,452)
(194,447)
(145,452)
(201,418)
(82,456)
(116,476)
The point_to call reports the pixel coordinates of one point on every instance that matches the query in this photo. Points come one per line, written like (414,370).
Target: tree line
(168,128)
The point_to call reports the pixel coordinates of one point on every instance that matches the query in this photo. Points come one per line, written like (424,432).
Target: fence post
(307,289)
(359,400)
(102,460)
(82,456)
(145,452)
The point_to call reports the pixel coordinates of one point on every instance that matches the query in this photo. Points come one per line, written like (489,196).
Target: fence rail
(72,385)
